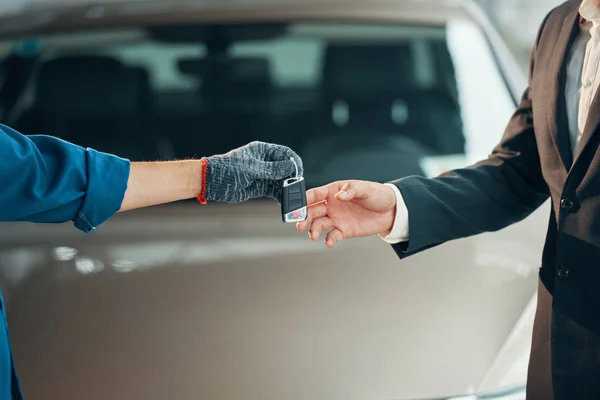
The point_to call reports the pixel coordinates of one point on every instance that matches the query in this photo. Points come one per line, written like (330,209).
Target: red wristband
(202,196)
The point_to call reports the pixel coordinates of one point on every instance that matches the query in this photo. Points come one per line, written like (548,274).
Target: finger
(277,152)
(314,212)
(273,170)
(317,195)
(334,236)
(282,153)
(280,159)
(354,190)
(318,226)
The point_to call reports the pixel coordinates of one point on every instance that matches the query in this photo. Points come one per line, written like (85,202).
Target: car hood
(227,302)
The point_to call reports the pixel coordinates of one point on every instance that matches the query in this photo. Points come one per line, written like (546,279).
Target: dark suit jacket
(532,162)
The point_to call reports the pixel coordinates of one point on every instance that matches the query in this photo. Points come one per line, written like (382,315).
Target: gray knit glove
(255,170)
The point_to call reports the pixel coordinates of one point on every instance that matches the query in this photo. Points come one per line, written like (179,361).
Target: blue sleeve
(45,179)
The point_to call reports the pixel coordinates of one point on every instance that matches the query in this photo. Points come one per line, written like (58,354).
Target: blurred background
(518,22)
(226,302)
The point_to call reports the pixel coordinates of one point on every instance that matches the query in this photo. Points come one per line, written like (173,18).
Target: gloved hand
(255,170)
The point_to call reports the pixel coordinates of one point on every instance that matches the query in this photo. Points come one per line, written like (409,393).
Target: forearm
(153,183)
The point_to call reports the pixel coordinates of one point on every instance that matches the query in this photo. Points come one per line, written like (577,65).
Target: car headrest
(365,71)
(88,87)
(248,75)
(142,78)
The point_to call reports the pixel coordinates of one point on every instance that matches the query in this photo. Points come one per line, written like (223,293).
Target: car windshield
(364,101)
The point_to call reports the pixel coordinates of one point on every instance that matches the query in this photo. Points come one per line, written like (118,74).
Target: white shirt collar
(590,10)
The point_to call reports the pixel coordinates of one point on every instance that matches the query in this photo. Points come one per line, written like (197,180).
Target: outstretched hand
(349,209)
(255,170)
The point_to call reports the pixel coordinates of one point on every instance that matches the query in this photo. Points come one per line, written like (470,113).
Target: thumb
(354,190)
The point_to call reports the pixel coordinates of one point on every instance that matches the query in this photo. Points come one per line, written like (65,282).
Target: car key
(293,204)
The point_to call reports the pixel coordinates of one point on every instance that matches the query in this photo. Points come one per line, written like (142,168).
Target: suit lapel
(556,109)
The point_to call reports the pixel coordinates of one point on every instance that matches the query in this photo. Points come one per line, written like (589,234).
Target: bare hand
(349,209)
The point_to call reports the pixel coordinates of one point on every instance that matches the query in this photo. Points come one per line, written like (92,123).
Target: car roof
(25,17)
(55,4)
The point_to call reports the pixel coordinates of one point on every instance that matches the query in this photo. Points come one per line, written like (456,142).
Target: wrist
(400,226)
(390,218)
(391,213)
(195,181)
(200,181)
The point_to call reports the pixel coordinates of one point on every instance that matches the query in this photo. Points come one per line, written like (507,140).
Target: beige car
(226,302)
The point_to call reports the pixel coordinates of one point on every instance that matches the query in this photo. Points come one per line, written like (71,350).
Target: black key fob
(293,204)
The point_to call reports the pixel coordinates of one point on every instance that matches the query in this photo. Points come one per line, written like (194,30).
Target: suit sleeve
(45,179)
(485,197)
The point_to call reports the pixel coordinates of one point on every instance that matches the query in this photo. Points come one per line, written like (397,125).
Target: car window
(362,101)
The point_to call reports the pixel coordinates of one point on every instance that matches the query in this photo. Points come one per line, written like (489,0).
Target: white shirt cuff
(399,232)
